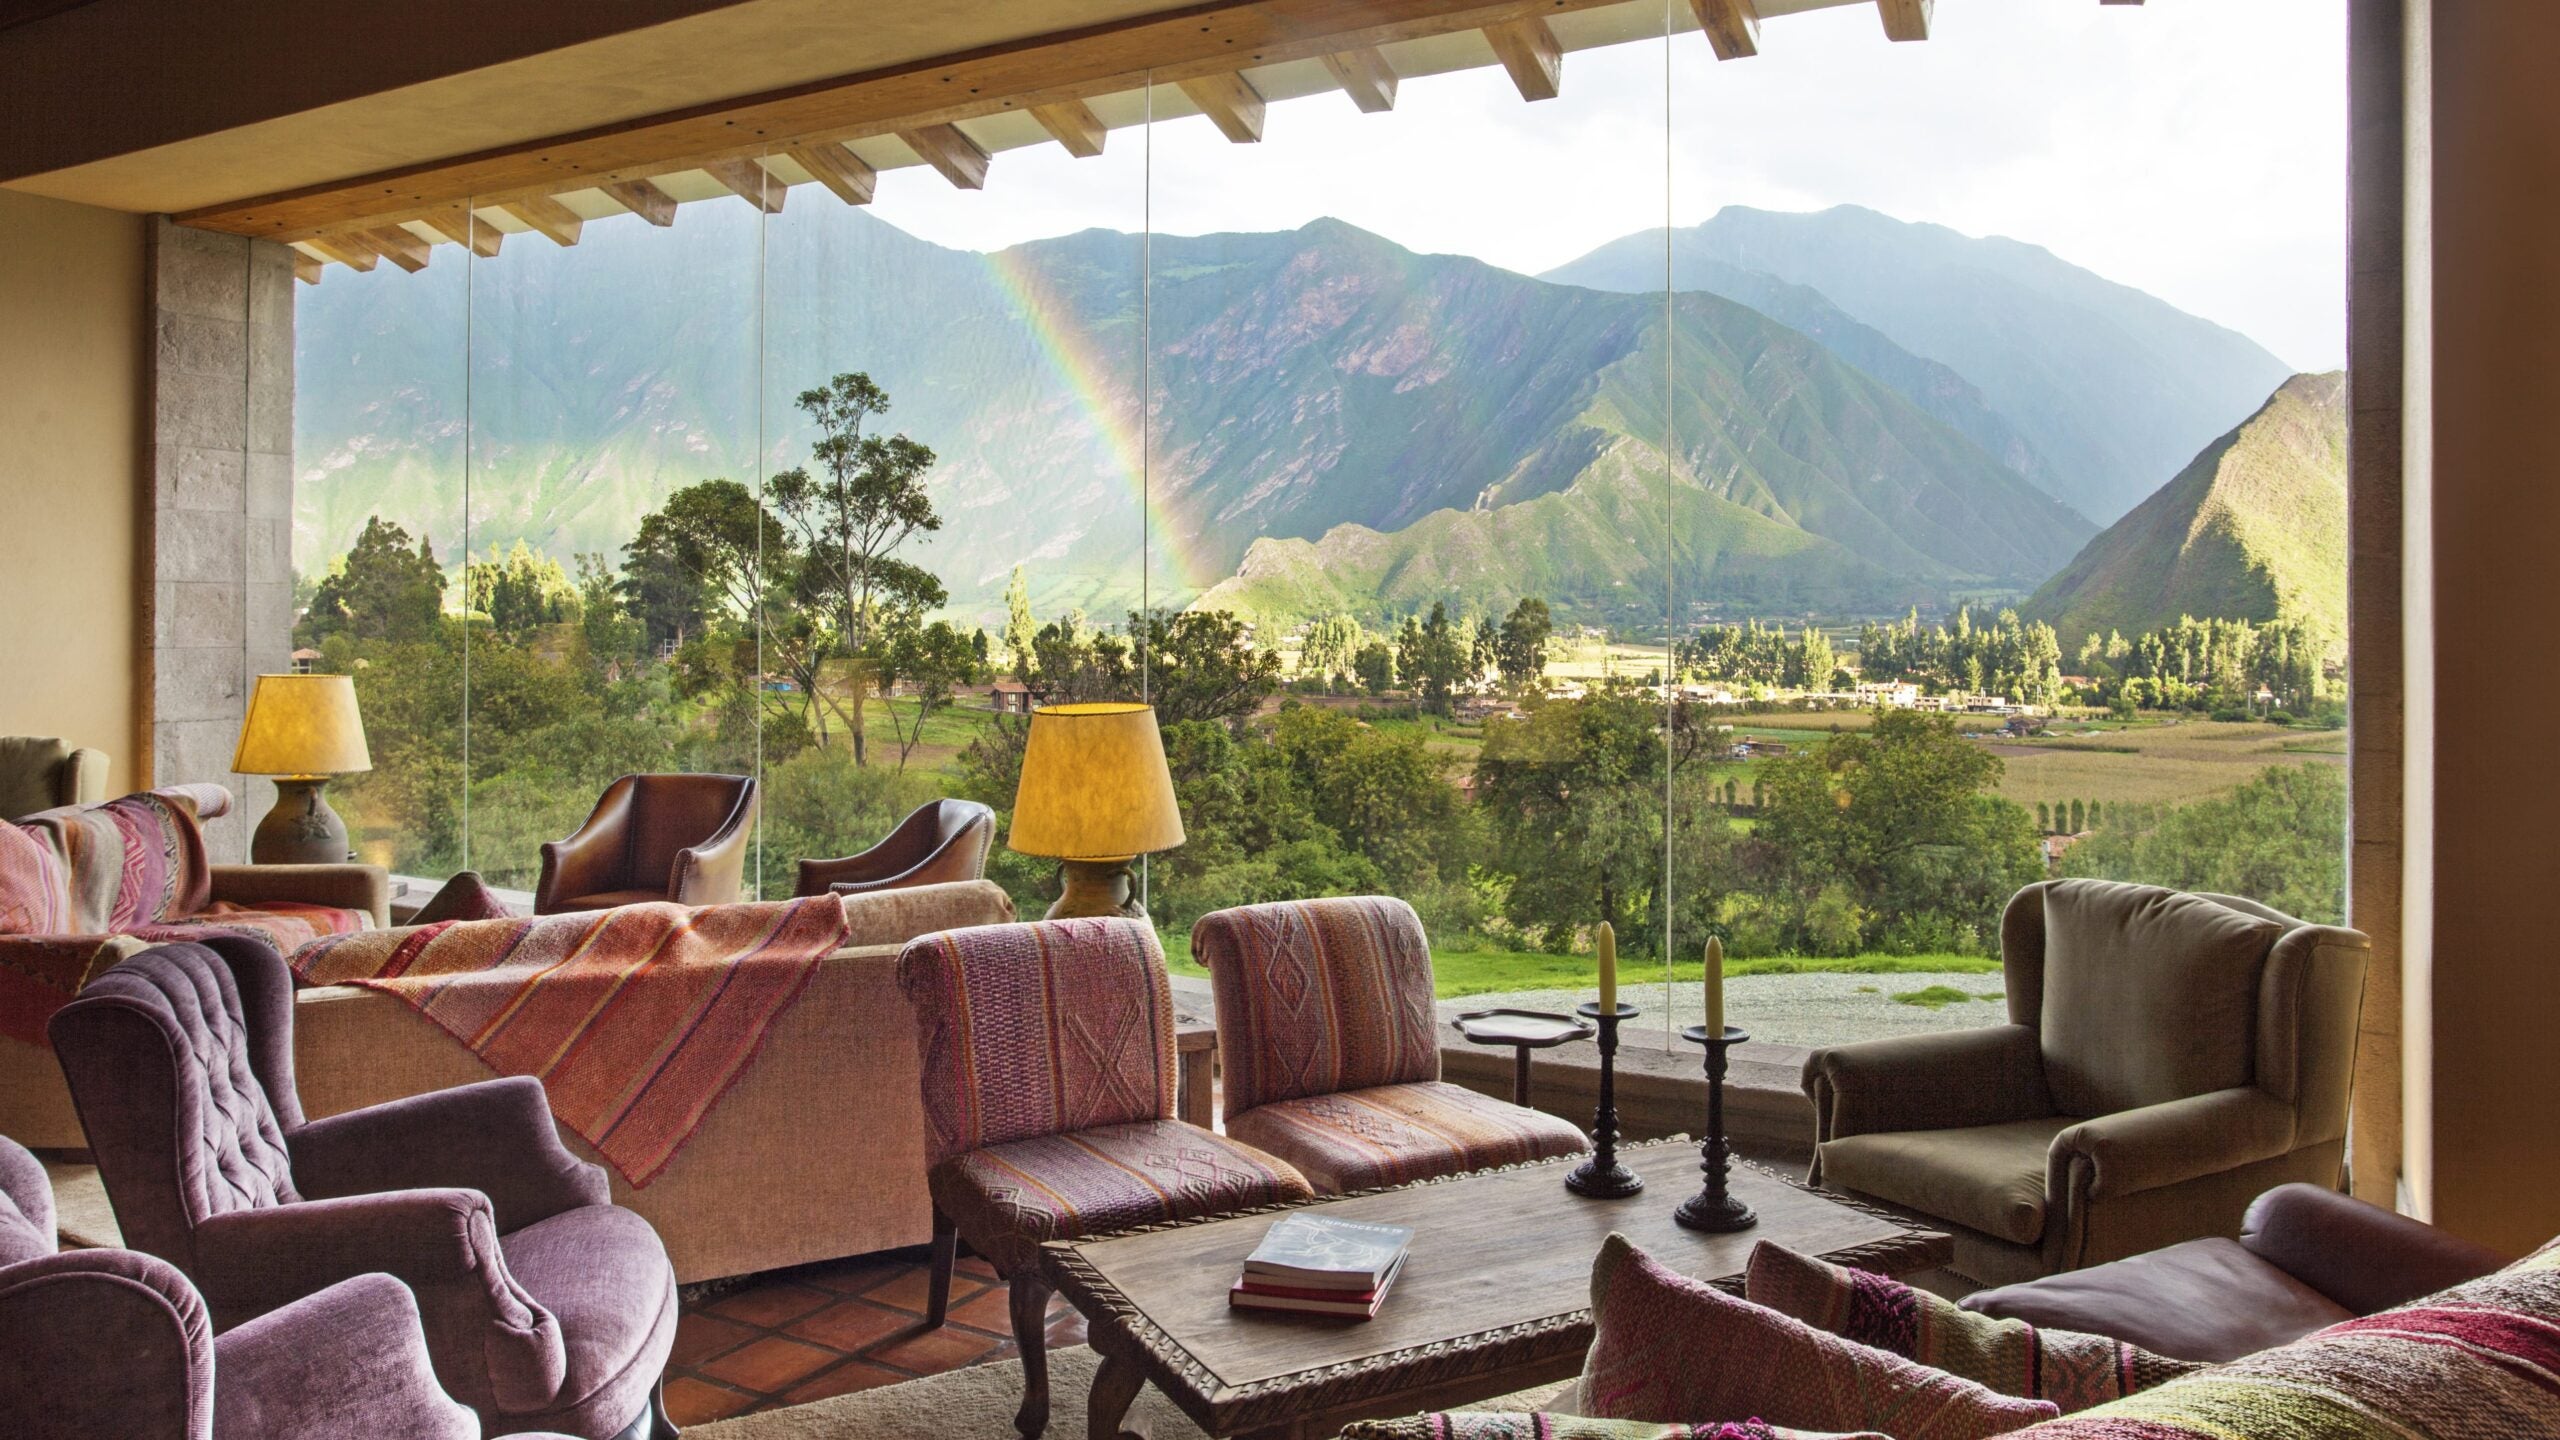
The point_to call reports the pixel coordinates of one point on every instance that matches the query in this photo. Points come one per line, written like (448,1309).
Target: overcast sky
(2193,148)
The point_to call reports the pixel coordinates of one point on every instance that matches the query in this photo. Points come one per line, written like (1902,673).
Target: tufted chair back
(181,1063)
(1319,996)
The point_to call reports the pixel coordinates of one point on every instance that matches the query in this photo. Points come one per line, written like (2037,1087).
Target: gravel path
(1790,1009)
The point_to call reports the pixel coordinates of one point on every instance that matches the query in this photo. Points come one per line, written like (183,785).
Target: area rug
(978,1404)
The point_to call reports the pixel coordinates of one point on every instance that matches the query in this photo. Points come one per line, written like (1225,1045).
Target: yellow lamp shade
(1094,785)
(302,725)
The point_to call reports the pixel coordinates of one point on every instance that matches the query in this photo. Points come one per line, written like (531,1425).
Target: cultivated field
(2156,762)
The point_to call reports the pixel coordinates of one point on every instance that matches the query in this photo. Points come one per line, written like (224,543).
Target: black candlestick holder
(1713,1208)
(1601,1177)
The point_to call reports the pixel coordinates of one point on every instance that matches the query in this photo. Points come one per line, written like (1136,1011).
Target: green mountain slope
(2111,387)
(2254,528)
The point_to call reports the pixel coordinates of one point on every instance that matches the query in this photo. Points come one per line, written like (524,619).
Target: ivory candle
(1715,986)
(1608,969)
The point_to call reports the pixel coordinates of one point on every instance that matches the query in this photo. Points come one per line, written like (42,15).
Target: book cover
(1324,1252)
(1245,1295)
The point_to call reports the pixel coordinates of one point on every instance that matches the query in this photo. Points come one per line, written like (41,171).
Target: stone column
(221,416)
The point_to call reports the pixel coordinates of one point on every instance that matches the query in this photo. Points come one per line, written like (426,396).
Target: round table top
(1529,1029)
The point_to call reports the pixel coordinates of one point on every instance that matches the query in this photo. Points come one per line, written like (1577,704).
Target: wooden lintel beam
(1073,124)
(395,244)
(1732,26)
(348,250)
(1366,77)
(1528,49)
(1905,19)
(306,267)
(840,170)
(945,148)
(644,199)
(458,224)
(1230,102)
(750,182)
(558,223)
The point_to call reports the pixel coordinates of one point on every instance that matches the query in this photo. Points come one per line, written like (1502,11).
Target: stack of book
(1319,1265)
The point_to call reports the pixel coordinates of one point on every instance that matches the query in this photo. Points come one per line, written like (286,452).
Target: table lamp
(301,730)
(1095,795)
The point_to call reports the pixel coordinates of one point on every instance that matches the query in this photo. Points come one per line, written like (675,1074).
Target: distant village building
(1891,694)
(1009,697)
(305,661)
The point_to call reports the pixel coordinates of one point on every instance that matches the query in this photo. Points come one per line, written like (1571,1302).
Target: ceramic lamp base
(1097,888)
(302,829)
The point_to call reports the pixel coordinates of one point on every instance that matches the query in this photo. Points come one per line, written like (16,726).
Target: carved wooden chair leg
(946,1253)
(1030,1304)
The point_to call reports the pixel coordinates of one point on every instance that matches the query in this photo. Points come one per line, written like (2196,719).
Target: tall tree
(385,589)
(1521,649)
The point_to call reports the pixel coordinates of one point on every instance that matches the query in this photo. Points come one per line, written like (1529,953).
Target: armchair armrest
(865,871)
(2362,1256)
(2165,1144)
(348,887)
(713,872)
(496,1137)
(590,859)
(106,1342)
(1944,1081)
(442,1244)
(350,1360)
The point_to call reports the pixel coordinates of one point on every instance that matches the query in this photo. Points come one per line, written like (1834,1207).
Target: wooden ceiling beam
(1528,49)
(1073,124)
(946,149)
(348,250)
(306,268)
(1732,26)
(395,244)
(1366,77)
(1218,37)
(750,182)
(840,170)
(1230,102)
(1905,19)
(558,223)
(458,224)
(644,199)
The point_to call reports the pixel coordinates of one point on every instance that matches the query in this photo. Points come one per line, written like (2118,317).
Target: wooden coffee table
(1494,1296)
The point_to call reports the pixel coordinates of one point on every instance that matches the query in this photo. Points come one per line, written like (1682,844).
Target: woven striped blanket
(636,1020)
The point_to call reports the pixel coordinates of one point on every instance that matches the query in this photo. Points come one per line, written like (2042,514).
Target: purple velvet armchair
(544,1306)
(112,1342)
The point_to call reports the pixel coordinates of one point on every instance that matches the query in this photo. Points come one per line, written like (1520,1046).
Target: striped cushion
(1399,1133)
(134,861)
(288,925)
(1483,1425)
(1028,1030)
(1008,1198)
(1316,996)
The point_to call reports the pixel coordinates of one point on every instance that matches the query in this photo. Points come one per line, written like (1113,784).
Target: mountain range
(1338,422)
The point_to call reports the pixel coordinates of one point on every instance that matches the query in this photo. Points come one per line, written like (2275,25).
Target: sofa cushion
(2149,995)
(1665,1347)
(1984,1177)
(2073,1369)
(2208,1300)
(1009,1198)
(35,893)
(287,925)
(1495,1425)
(1393,1134)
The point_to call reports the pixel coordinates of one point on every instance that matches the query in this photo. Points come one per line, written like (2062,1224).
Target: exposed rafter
(1528,49)
(348,250)
(1230,102)
(750,182)
(644,199)
(839,169)
(458,224)
(1905,19)
(1073,124)
(1366,77)
(307,268)
(960,159)
(395,244)
(558,223)
(1732,26)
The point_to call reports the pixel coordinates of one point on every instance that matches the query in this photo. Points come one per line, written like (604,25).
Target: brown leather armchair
(653,837)
(940,842)
(2168,1057)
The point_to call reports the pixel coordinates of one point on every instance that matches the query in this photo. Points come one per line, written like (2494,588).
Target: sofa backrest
(1319,996)
(2144,995)
(1039,1029)
(894,917)
(674,813)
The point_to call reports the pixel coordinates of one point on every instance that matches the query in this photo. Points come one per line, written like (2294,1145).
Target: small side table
(1523,1031)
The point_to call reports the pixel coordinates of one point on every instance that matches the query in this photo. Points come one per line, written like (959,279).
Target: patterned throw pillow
(2072,1370)
(1487,1426)
(2476,1362)
(35,896)
(1668,1348)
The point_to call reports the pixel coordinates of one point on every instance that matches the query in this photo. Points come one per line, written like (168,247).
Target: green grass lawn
(1461,973)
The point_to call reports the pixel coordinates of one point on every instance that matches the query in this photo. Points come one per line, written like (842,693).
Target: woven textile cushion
(1316,996)
(1492,1426)
(2480,1361)
(134,861)
(2072,1370)
(1668,1348)
(35,894)
(1008,1198)
(1394,1134)
(2149,995)
(1038,1029)
(287,925)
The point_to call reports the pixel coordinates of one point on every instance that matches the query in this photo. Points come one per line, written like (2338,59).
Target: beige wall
(73,568)
(2482,460)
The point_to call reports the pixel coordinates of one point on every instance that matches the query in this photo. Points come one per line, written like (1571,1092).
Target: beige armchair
(39,772)
(2168,1057)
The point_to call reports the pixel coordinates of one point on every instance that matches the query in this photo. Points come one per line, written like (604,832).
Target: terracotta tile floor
(791,1336)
